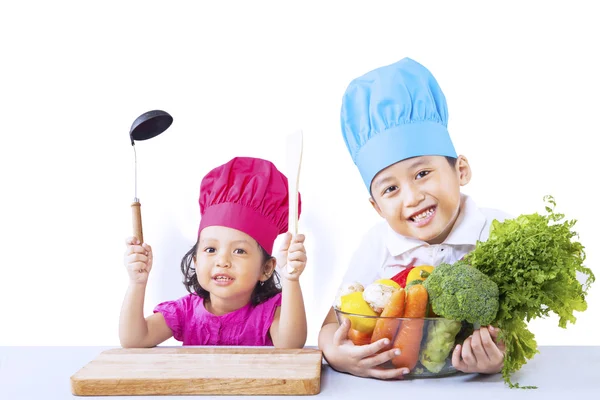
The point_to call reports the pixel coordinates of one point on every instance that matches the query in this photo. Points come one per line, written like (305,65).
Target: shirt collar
(466,231)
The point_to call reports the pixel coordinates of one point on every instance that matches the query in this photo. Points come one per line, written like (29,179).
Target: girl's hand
(481,352)
(292,257)
(138,260)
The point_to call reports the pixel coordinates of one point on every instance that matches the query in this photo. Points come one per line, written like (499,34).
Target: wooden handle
(136,215)
(293,161)
(293,212)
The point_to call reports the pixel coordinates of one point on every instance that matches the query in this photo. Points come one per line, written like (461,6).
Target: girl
(236,297)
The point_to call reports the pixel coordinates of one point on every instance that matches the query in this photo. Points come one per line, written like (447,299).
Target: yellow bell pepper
(419,273)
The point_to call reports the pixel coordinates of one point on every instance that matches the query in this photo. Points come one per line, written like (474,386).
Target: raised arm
(134,329)
(289,325)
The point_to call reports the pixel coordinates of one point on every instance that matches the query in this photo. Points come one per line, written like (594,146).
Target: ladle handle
(136,215)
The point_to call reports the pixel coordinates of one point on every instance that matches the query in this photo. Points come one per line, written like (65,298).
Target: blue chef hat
(393,113)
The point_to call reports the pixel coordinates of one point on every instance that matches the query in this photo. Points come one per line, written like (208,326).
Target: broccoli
(462,293)
(457,292)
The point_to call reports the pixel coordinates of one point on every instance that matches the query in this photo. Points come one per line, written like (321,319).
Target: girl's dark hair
(261,293)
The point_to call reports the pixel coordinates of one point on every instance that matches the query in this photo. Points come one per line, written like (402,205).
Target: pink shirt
(193,325)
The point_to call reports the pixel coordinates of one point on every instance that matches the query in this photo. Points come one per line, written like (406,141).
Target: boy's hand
(362,360)
(292,257)
(138,260)
(481,352)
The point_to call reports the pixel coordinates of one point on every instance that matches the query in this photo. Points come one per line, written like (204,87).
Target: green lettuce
(534,259)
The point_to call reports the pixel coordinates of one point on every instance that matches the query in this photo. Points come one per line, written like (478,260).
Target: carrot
(387,328)
(408,340)
(359,338)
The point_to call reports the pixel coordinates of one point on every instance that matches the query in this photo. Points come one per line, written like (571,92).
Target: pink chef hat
(247,194)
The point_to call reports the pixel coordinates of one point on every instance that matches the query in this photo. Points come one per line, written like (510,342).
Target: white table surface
(558,371)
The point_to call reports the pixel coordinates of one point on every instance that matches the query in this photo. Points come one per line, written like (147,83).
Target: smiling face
(229,264)
(420,197)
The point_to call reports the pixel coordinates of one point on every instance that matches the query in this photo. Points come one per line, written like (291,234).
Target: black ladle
(146,126)
(150,124)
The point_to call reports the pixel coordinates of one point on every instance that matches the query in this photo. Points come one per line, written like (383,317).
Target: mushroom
(378,295)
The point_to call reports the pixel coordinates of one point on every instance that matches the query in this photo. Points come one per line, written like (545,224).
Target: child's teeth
(423,215)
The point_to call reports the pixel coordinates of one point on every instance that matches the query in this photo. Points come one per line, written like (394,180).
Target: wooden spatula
(293,163)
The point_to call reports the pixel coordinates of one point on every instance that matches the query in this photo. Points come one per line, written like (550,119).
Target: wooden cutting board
(200,370)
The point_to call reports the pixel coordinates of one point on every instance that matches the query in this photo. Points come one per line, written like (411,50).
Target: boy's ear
(463,170)
(375,206)
(268,269)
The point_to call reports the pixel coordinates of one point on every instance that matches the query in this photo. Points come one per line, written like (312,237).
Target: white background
(521,80)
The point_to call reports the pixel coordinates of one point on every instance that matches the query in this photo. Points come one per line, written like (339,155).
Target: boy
(394,123)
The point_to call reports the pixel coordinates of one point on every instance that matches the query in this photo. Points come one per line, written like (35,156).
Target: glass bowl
(426,344)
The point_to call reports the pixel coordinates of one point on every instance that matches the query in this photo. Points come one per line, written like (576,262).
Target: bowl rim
(338,311)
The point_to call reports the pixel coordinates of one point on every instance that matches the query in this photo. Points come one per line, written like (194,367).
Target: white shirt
(383,253)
